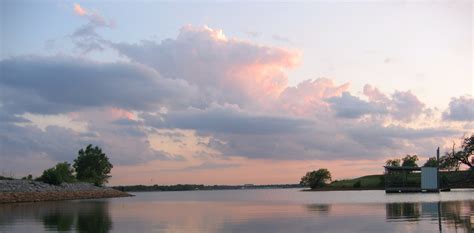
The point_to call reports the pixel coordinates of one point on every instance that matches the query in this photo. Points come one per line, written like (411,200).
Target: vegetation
(410,161)
(92,165)
(465,152)
(6,178)
(369,182)
(58,174)
(393,163)
(316,179)
(431,162)
(449,163)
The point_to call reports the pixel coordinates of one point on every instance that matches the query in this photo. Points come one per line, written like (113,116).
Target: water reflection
(64,216)
(457,215)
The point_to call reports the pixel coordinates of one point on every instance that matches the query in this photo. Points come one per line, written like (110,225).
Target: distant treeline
(191,187)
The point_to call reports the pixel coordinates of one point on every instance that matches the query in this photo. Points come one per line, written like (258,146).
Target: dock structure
(411,179)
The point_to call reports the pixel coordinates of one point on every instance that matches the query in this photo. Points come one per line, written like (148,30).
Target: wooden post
(437,167)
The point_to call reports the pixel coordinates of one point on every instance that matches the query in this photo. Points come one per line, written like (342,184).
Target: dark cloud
(460,109)
(226,120)
(50,85)
(335,141)
(56,143)
(349,106)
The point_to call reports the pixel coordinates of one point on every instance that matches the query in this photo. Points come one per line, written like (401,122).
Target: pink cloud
(231,70)
(79,9)
(309,96)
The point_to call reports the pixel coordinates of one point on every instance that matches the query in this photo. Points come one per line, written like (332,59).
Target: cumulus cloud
(232,70)
(460,109)
(308,97)
(401,105)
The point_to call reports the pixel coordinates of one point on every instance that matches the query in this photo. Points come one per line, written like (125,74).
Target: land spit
(33,191)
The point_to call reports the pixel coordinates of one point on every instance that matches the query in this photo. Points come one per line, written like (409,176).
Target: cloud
(348,106)
(406,106)
(401,105)
(228,120)
(460,109)
(231,70)
(60,84)
(86,37)
(79,10)
(309,97)
(220,95)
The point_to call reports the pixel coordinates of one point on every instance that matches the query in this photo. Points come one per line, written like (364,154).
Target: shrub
(58,174)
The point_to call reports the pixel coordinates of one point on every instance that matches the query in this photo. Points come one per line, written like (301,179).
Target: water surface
(273,210)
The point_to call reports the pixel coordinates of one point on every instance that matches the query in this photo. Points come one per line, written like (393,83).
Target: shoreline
(16,197)
(15,191)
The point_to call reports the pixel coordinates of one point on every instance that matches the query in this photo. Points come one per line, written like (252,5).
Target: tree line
(450,161)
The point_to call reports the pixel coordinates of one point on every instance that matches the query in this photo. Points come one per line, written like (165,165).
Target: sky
(233,92)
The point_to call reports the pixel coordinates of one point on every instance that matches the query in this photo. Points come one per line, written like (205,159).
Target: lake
(270,210)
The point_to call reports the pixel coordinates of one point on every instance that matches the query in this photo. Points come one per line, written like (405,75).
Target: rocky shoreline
(33,191)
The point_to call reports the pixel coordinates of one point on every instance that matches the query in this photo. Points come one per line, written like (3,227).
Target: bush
(58,174)
(357,184)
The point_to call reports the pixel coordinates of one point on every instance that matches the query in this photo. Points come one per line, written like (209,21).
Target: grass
(371,181)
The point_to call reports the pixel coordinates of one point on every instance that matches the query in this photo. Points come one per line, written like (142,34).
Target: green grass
(371,181)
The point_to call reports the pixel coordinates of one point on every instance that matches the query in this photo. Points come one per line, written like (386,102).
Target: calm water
(277,210)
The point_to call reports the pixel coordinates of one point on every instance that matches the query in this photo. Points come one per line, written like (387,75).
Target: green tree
(58,174)
(410,161)
(393,163)
(316,179)
(431,162)
(92,165)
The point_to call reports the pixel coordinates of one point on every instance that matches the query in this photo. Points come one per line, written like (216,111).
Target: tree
(467,150)
(410,161)
(452,160)
(449,163)
(316,179)
(431,162)
(92,165)
(393,163)
(61,173)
